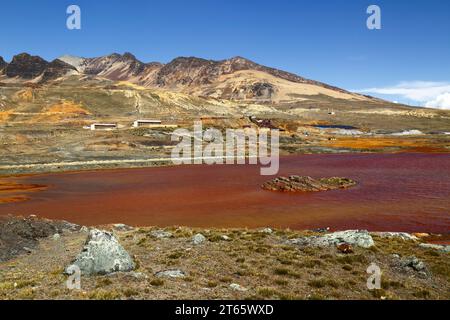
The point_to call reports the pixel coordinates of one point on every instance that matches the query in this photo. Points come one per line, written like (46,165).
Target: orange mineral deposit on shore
(11,192)
(419,145)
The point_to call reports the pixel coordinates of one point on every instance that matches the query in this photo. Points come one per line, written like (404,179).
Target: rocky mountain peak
(3,64)
(241,61)
(72,60)
(114,66)
(26,66)
(128,56)
(57,68)
(188,63)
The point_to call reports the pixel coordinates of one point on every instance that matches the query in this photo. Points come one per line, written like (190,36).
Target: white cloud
(441,102)
(427,93)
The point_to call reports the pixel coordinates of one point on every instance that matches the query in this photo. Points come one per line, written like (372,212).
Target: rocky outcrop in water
(307,184)
(103,254)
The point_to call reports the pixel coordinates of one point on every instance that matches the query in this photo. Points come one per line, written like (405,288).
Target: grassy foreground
(261,263)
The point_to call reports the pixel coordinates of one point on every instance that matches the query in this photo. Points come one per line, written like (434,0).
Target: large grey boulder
(102,254)
(359,238)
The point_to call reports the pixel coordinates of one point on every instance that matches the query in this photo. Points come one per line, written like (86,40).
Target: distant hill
(237,79)
(25,66)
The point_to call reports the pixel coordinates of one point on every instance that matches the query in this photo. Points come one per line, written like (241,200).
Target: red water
(396,192)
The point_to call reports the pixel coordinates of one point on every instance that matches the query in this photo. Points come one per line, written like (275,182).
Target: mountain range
(237,79)
(46,108)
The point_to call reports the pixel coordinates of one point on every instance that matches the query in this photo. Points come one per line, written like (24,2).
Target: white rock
(442,248)
(103,254)
(198,239)
(56,236)
(359,238)
(122,227)
(226,238)
(408,133)
(398,235)
(237,287)
(161,234)
(266,230)
(28,250)
(171,274)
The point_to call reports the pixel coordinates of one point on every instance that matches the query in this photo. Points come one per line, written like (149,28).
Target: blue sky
(325,40)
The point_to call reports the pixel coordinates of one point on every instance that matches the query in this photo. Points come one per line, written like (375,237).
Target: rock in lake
(102,254)
(359,238)
(307,184)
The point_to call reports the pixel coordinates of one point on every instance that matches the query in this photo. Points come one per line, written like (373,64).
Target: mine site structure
(144,122)
(149,123)
(103,126)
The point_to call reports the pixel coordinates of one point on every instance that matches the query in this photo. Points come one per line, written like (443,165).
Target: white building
(103,126)
(140,123)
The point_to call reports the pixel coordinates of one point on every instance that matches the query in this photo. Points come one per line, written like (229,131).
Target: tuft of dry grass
(323,282)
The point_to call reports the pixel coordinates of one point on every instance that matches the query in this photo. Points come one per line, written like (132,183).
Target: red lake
(395,192)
